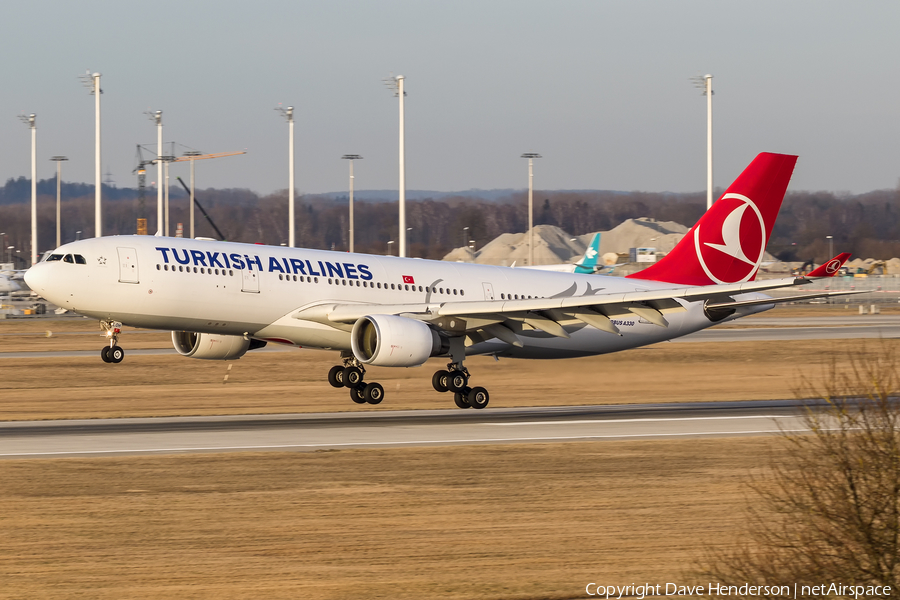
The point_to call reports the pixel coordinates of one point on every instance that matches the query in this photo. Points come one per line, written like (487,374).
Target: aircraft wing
(467,317)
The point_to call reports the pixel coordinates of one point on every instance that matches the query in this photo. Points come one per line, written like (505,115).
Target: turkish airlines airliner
(223,299)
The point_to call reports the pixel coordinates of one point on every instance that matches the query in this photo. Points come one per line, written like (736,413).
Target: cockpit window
(79,260)
(68,258)
(54,257)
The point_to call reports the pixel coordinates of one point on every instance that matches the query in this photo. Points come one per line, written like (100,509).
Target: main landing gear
(456,379)
(350,374)
(112,353)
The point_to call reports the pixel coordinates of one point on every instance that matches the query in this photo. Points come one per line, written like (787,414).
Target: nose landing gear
(112,353)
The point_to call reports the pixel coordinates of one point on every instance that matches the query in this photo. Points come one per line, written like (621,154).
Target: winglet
(831,267)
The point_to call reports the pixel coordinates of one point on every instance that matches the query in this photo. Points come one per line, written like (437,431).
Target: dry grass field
(482,522)
(510,522)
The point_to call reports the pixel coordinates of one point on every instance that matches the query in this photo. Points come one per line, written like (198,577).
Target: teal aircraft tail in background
(588,262)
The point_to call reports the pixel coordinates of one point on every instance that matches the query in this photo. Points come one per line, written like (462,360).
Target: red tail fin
(830,267)
(728,243)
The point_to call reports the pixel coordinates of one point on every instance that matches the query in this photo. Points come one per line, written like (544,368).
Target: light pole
(29,120)
(531,156)
(192,154)
(92,81)
(58,160)
(390,253)
(705,83)
(351,158)
(396,84)
(465,236)
(830,239)
(288,114)
(9,250)
(166,160)
(157,116)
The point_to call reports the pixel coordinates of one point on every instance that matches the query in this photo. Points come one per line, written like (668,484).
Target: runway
(323,431)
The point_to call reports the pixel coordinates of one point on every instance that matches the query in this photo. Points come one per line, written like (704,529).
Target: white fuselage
(257,291)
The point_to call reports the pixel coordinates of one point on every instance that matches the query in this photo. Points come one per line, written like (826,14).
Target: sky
(601,89)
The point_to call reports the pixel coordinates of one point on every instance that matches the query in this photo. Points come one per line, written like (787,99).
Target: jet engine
(390,341)
(211,346)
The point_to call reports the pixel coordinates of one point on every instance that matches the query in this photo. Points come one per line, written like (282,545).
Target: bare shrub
(828,508)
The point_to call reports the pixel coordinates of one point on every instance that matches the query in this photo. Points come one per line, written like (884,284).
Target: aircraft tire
(373,393)
(457,381)
(104,354)
(116,354)
(439,381)
(352,377)
(356,394)
(478,397)
(460,399)
(336,376)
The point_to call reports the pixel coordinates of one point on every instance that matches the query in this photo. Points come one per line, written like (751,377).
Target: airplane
(223,299)
(8,285)
(586,264)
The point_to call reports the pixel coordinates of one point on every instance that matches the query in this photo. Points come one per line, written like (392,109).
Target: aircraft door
(249,281)
(128,265)
(488,291)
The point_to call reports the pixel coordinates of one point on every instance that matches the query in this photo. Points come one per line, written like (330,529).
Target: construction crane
(204,156)
(141,170)
(192,156)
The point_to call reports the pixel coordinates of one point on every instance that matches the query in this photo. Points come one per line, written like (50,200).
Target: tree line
(865,224)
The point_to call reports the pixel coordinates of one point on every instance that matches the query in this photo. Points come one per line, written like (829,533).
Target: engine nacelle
(211,346)
(390,341)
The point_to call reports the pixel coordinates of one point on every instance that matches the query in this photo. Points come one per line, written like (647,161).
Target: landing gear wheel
(439,381)
(336,376)
(116,354)
(356,394)
(352,376)
(104,354)
(457,381)
(373,393)
(460,398)
(478,397)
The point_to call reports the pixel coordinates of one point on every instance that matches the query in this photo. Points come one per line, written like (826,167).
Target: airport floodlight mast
(29,120)
(531,156)
(705,83)
(157,116)
(58,160)
(288,113)
(92,81)
(165,162)
(192,156)
(396,84)
(351,158)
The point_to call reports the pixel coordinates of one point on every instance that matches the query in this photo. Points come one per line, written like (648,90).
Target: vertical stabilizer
(728,243)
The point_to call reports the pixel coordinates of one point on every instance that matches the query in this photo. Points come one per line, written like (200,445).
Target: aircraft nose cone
(36,277)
